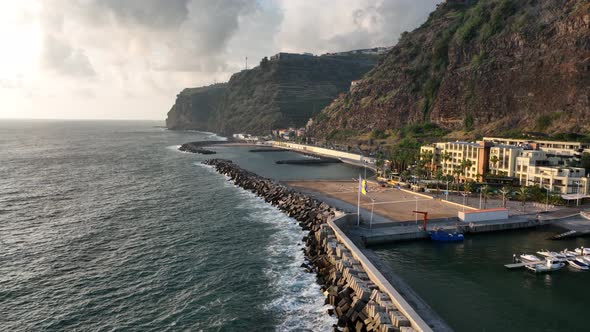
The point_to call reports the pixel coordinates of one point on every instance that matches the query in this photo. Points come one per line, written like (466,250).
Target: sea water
(105,225)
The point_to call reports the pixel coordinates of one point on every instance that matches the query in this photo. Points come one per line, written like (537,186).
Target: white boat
(569,254)
(552,254)
(526,258)
(578,264)
(585,259)
(549,266)
(582,251)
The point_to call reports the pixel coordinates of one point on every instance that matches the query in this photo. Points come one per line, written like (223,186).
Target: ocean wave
(298,299)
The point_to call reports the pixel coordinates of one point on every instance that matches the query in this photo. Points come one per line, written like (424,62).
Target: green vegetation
(471,22)
(543,122)
(378,134)
(485,20)
(478,59)
(341,134)
(424,130)
(468,122)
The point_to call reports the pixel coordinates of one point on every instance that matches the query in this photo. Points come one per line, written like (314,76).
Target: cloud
(348,24)
(60,57)
(152,49)
(153,13)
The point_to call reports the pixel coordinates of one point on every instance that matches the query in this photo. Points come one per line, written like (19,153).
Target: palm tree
(505,191)
(465,165)
(404,175)
(485,192)
(467,189)
(438,174)
(457,173)
(523,192)
(446,156)
(494,160)
(427,157)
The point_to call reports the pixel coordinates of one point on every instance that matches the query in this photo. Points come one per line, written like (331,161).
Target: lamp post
(416,210)
(480,194)
(547,200)
(464,194)
(371,220)
(578,194)
(542,185)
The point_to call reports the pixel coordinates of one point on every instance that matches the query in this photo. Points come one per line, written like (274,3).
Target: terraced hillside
(284,91)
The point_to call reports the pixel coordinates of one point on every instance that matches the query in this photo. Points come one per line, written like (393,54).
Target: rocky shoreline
(358,303)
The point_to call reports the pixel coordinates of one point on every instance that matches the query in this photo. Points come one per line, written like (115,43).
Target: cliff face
(492,67)
(284,91)
(195,108)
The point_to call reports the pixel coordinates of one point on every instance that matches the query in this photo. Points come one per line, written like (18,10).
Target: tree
(404,175)
(523,192)
(465,165)
(427,157)
(478,177)
(438,174)
(380,162)
(457,172)
(494,160)
(467,189)
(264,63)
(505,191)
(446,156)
(485,192)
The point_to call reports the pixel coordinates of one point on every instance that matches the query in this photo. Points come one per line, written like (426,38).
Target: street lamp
(578,193)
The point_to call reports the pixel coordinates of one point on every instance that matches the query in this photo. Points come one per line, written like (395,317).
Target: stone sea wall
(199,147)
(357,301)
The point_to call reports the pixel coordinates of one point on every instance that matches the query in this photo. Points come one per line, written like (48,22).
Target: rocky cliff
(485,67)
(194,108)
(284,91)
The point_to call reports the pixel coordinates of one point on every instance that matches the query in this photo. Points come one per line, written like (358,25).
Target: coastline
(352,291)
(411,296)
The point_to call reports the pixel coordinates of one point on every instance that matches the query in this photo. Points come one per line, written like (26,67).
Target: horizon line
(82,119)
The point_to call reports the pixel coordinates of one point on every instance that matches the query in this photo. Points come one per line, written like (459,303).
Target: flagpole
(372,206)
(358,206)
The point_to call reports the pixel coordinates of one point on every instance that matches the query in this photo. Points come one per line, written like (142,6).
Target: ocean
(105,225)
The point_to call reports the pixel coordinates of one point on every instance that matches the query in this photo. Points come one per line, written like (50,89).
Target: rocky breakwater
(199,147)
(358,303)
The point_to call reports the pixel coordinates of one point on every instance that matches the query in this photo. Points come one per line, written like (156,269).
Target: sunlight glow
(21,37)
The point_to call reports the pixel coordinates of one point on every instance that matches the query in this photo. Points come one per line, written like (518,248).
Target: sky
(127,59)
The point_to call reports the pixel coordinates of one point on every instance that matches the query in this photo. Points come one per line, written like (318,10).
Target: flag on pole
(360,184)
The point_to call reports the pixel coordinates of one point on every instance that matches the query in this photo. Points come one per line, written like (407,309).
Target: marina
(551,260)
(473,290)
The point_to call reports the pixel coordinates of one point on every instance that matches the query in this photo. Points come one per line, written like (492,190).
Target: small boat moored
(553,255)
(578,264)
(525,258)
(550,265)
(444,236)
(582,251)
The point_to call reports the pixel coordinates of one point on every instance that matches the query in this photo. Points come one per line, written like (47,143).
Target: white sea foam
(298,299)
(208,134)
(174,147)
